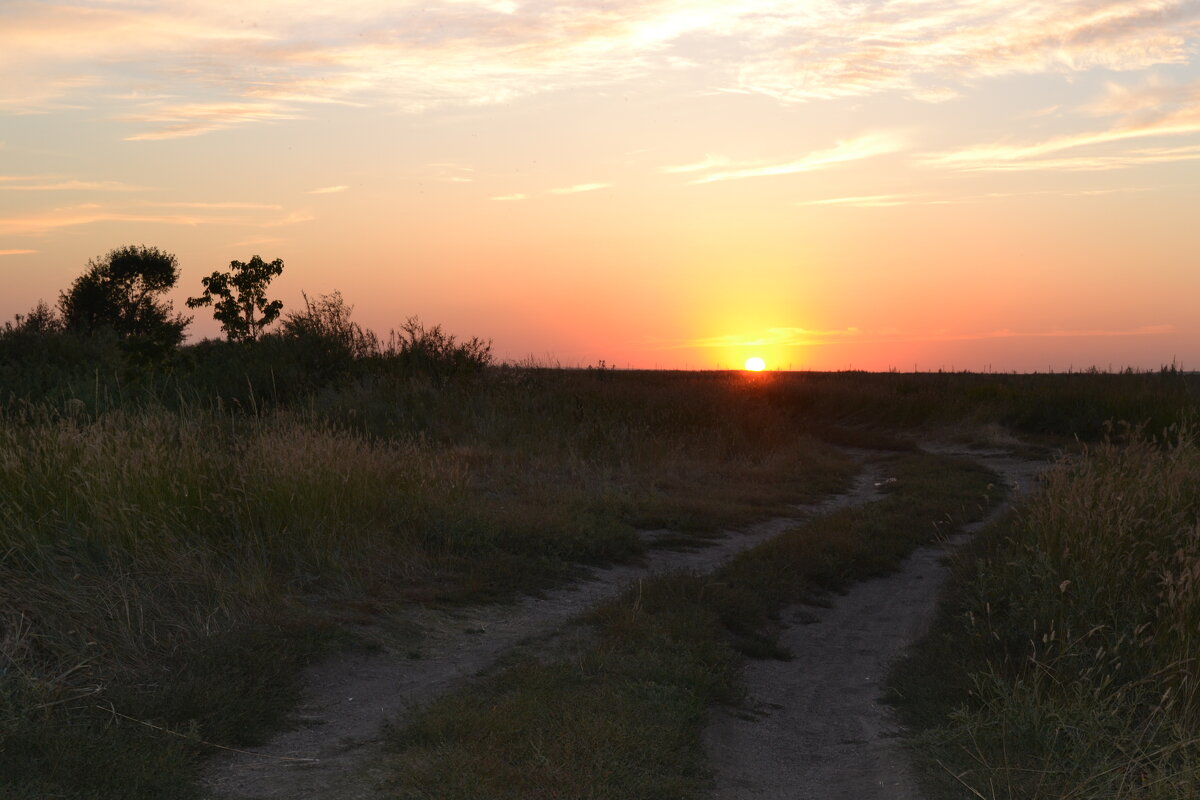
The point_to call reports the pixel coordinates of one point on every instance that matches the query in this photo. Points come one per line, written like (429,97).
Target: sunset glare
(755,364)
(1008,185)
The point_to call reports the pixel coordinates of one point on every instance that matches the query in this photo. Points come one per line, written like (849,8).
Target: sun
(755,364)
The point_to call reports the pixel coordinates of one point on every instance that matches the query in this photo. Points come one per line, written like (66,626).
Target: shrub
(436,353)
(330,342)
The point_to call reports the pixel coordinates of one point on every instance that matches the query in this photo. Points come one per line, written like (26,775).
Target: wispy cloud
(452,172)
(1151,110)
(16,184)
(174,121)
(772,337)
(43,222)
(865,201)
(850,150)
(220,205)
(709,162)
(1032,156)
(580,187)
(1145,330)
(928,48)
(889,200)
(16,252)
(266,61)
(805,337)
(328,190)
(509,197)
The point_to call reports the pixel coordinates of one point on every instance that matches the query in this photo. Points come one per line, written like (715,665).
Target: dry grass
(139,540)
(1074,638)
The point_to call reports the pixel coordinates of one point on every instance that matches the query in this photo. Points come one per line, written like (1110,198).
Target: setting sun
(755,364)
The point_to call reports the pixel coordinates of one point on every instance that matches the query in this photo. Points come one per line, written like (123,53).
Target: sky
(826,184)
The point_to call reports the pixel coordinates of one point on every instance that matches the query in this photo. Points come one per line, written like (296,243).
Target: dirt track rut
(818,730)
(332,751)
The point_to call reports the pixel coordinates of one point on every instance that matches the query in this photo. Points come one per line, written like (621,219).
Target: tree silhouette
(122,292)
(239,298)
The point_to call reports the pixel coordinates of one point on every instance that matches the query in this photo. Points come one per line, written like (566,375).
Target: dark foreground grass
(1064,661)
(169,570)
(622,715)
(232,688)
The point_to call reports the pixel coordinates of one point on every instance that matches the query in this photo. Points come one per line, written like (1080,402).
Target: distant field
(178,541)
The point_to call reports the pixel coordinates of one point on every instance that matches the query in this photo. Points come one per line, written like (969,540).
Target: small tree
(239,298)
(122,292)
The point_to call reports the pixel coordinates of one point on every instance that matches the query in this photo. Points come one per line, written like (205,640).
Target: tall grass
(1073,641)
(140,541)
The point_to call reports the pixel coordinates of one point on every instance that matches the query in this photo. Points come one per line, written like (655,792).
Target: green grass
(622,716)
(1064,663)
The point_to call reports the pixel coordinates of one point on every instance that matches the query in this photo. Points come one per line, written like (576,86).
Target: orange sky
(902,184)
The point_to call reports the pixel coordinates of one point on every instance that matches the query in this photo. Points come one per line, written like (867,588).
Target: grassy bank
(622,715)
(1064,664)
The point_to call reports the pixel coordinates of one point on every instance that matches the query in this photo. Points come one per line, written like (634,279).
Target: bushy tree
(239,298)
(122,292)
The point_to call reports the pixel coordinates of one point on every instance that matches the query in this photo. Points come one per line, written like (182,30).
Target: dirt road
(817,730)
(337,740)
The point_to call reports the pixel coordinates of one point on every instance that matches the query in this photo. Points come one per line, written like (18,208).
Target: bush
(435,353)
(41,359)
(330,344)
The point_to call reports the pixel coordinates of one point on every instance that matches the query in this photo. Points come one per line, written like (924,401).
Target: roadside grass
(621,715)
(146,735)
(1064,661)
(177,567)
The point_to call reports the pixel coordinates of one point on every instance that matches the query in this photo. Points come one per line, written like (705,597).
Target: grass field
(176,543)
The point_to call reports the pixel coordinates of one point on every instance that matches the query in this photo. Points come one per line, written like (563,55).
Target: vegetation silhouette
(122,292)
(239,298)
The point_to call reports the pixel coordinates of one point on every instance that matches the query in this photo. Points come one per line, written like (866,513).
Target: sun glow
(755,364)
